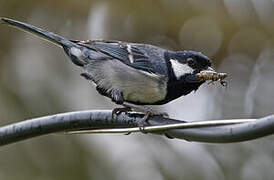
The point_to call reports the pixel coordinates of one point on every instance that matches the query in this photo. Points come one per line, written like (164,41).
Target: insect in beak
(212,75)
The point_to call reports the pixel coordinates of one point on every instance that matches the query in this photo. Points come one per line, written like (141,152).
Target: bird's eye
(190,61)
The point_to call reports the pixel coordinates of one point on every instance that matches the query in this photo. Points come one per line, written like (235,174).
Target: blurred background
(37,79)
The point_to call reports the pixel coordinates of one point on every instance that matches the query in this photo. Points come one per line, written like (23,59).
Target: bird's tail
(49,36)
(54,38)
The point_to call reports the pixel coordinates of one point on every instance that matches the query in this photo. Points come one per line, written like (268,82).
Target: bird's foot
(141,122)
(118,111)
(148,114)
(145,109)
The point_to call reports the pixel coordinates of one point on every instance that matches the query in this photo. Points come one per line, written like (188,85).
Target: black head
(184,65)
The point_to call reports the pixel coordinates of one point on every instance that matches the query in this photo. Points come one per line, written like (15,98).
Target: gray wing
(139,56)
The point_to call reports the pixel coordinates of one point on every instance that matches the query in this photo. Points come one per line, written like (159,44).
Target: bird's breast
(144,92)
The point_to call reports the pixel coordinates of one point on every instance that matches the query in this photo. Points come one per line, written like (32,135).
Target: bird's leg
(148,112)
(117,97)
(141,122)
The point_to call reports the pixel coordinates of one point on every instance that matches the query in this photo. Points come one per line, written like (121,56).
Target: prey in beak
(212,75)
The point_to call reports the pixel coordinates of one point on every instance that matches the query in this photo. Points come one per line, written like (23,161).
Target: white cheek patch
(180,69)
(76,52)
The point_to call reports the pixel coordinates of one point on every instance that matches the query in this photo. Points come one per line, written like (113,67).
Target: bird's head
(185,65)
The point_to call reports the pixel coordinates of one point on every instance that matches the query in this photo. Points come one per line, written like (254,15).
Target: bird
(133,75)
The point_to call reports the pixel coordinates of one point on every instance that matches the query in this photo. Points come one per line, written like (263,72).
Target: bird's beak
(210,69)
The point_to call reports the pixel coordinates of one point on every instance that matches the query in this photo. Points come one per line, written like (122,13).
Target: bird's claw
(118,111)
(141,122)
(145,119)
